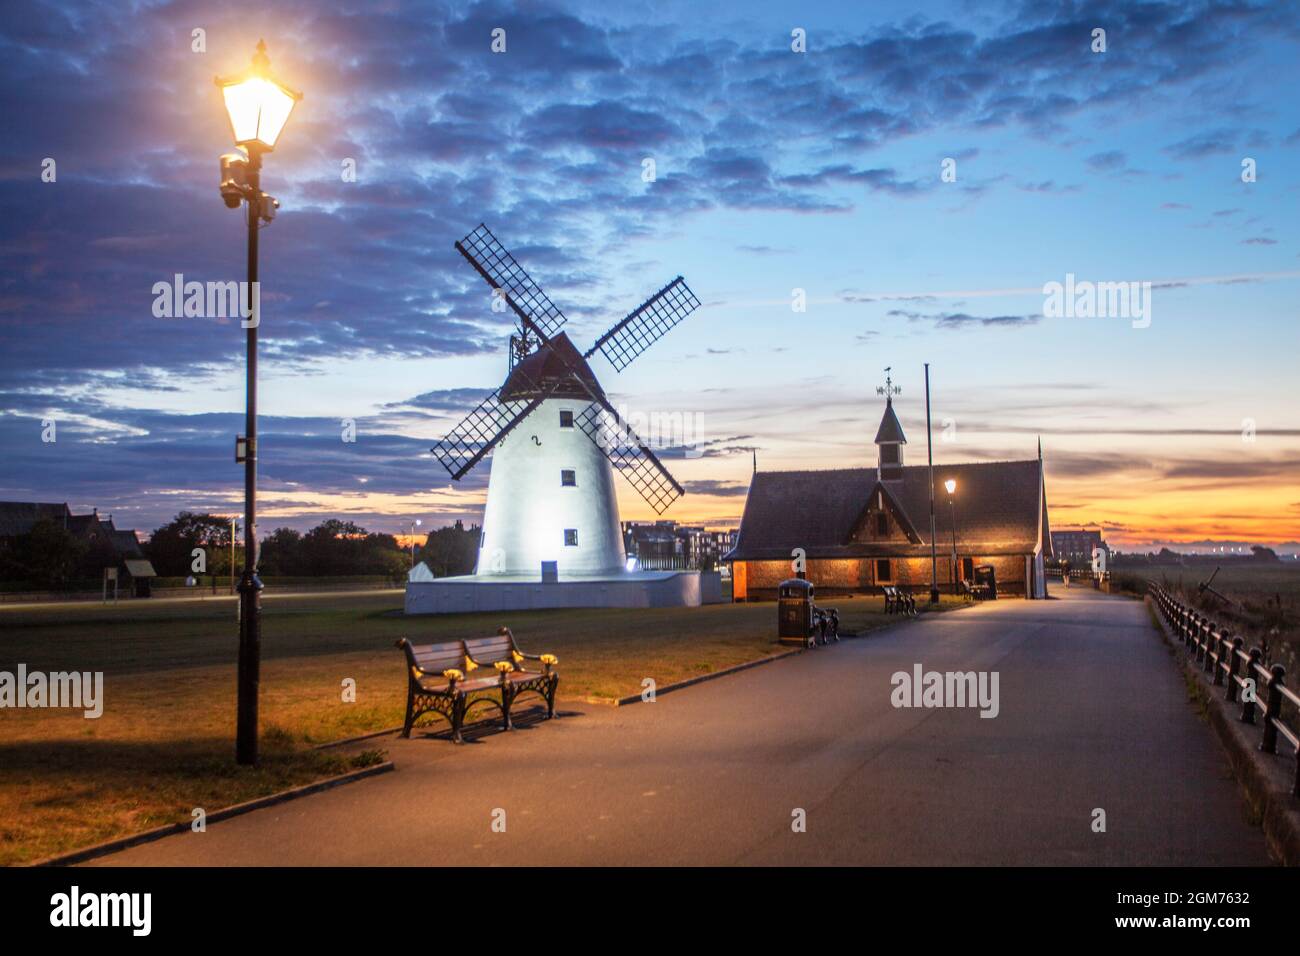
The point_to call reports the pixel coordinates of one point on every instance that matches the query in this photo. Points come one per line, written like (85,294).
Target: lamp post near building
(414,524)
(258,107)
(951,485)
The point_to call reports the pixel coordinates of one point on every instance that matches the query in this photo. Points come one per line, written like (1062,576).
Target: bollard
(1248,706)
(1272,709)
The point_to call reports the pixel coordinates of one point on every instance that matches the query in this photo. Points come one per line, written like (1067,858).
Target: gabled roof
(998,508)
(893,505)
(126,544)
(17,517)
(80,524)
(890,430)
(556,361)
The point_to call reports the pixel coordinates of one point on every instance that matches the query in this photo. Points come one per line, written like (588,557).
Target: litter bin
(794,601)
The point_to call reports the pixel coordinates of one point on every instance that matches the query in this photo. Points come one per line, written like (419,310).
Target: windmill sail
(630,455)
(479,432)
(525,297)
(646,324)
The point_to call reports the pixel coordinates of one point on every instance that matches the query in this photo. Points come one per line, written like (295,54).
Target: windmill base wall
(470,593)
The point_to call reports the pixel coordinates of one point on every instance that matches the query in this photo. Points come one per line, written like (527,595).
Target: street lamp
(951,485)
(414,524)
(258,107)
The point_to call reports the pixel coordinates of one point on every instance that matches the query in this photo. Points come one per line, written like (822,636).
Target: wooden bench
(437,683)
(502,653)
(898,600)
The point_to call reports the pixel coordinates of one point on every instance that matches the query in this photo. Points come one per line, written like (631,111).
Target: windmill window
(889,454)
(570,537)
(882,524)
(566,418)
(568,477)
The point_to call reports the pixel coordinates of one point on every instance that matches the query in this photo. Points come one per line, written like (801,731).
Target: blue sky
(775,170)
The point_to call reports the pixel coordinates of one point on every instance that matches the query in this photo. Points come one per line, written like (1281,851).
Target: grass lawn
(164,744)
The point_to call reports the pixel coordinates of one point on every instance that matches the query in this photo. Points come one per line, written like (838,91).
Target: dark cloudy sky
(775,171)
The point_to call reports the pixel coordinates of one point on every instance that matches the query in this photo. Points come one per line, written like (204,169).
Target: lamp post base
(934,595)
(250,656)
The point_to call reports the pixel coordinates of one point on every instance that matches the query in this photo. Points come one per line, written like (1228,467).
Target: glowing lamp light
(258,105)
(951,485)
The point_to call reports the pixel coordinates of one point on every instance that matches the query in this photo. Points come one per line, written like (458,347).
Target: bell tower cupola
(889,436)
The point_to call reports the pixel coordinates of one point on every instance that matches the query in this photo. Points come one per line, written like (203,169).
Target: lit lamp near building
(951,486)
(258,107)
(414,524)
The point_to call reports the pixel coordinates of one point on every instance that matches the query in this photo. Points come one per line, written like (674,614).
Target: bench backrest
(888,589)
(435,658)
(489,650)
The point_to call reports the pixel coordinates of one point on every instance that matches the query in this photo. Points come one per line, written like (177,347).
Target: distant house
(120,549)
(17,517)
(861,528)
(1076,546)
(666,545)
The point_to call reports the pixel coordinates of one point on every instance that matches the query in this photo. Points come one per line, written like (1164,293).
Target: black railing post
(1272,709)
(1211,645)
(1196,636)
(1221,645)
(1248,706)
(1235,651)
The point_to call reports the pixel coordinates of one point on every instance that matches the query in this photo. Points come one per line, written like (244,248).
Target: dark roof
(556,361)
(998,508)
(890,430)
(79,524)
(17,517)
(126,544)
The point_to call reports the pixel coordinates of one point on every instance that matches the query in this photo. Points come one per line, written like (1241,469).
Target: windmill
(556,439)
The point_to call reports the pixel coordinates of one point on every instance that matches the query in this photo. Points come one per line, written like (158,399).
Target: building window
(889,454)
(570,537)
(568,477)
(566,418)
(967,569)
(882,524)
(884,573)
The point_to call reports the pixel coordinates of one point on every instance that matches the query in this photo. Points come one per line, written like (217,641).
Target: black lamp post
(951,485)
(258,107)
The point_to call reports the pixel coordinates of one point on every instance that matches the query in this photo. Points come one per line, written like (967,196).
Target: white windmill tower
(555,438)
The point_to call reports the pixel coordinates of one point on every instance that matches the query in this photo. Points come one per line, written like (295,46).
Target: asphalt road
(1092,714)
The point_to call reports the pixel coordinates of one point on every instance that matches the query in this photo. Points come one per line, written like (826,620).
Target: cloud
(1107,161)
(957,320)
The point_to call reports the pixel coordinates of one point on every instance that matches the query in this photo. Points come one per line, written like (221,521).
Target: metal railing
(1219,653)
(1098,579)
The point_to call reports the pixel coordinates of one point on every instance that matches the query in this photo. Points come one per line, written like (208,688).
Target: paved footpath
(1093,714)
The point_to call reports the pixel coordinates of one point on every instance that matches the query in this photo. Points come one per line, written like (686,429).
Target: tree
(281,553)
(451,550)
(171,547)
(51,555)
(1260,553)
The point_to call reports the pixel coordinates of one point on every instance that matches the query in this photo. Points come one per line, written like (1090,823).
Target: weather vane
(889,389)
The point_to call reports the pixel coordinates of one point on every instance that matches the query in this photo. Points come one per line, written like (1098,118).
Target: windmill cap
(550,370)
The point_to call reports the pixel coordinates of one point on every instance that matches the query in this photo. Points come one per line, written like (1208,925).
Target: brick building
(1076,546)
(861,528)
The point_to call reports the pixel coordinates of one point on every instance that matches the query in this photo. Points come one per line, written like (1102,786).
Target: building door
(739,580)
